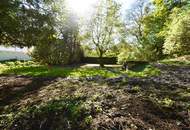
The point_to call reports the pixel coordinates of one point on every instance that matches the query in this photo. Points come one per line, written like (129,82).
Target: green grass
(33,69)
(179,61)
(175,62)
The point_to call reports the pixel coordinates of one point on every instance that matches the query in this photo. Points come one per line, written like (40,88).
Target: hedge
(96,60)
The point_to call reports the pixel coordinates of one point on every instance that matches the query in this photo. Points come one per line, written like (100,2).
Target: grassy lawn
(175,62)
(33,69)
(180,61)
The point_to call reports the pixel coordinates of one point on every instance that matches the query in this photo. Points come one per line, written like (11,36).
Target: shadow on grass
(139,67)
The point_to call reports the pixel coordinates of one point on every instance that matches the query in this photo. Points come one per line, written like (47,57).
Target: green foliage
(134,21)
(104,26)
(133,53)
(57,53)
(155,25)
(24,23)
(112,52)
(127,56)
(44,24)
(88,51)
(64,48)
(178,38)
(127,53)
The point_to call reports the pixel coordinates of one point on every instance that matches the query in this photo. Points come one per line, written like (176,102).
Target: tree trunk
(101,60)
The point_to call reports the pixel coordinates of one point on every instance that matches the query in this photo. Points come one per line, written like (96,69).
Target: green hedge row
(96,60)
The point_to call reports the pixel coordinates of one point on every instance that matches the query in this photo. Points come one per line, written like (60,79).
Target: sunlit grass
(180,61)
(33,69)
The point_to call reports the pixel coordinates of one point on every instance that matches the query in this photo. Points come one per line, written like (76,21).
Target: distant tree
(104,26)
(136,33)
(134,21)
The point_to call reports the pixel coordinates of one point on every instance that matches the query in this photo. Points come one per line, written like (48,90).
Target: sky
(82,8)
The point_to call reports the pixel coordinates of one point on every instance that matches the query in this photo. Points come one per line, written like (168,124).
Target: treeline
(151,30)
(156,29)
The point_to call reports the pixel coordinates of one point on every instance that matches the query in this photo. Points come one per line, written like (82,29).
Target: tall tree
(64,45)
(104,26)
(134,20)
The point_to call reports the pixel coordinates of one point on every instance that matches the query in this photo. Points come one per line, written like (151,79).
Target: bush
(127,53)
(145,52)
(134,55)
(57,53)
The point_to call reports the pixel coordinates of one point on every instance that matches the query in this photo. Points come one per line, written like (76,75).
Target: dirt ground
(151,103)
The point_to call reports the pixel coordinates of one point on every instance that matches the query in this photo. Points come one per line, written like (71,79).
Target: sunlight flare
(81,7)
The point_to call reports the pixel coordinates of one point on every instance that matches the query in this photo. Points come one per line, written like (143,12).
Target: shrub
(134,55)
(57,53)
